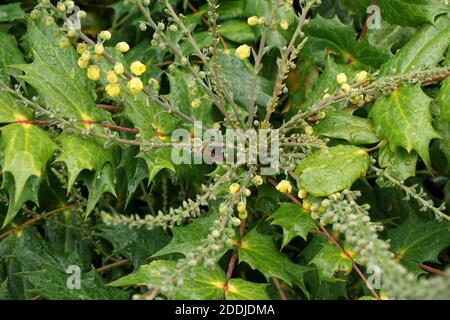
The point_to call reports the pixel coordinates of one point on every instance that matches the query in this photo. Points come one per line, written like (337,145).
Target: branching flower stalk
(412,192)
(175,217)
(381,86)
(258,63)
(286,63)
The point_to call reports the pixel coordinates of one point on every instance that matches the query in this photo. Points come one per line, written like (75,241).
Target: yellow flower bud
(82,63)
(341,78)
(241,207)
(284,186)
(138,68)
(119,68)
(346,87)
(252,21)
(72,33)
(259,181)
(326,96)
(284,25)
(135,85)
(99,49)
(70,4)
(306,205)
(196,103)
(61,7)
(81,47)
(86,55)
(309,130)
(122,47)
(93,72)
(243,215)
(105,35)
(64,43)
(302,194)
(361,77)
(153,83)
(234,188)
(247,193)
(243,52)
(111,77)
(113,90)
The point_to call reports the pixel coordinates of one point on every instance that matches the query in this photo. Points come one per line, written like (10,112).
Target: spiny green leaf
(426,49)
(344,125)
(411,12)
(46,271)
(260,253)
(26,149)
(404,119)
(237,31)
(399,163)
(9,53)
(239,289)
(57,78)
(99,183)
(80,154)
(186,239)
(199,284)
(10,12)
(294,220)
(10,110)
(326,34)
(238,79)
(332,169)
(416,241)
(136,244)
(330,261)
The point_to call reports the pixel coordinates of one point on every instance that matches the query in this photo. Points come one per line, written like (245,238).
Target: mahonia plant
(352,202)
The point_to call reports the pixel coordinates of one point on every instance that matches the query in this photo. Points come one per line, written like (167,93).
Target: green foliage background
(62,181)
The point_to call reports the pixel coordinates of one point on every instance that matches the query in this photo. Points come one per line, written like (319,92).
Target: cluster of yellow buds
(342,80)
(254,21)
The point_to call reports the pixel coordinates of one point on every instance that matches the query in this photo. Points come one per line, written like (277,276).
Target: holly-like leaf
(412,12)
(399,163)
(10,12)
(425,50)
(331,262)
(260,253)
(10,110)
(238,79)
(186,239)
(344,125)
(417,241)
(55,75)
(46,272)
(99,183)
(332,169)
(136,244)
(239,289)
(331,34)
(294,220)
(199,283)
(26,150)
(237,31)
(80,154)
(404,119)
(9,53)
